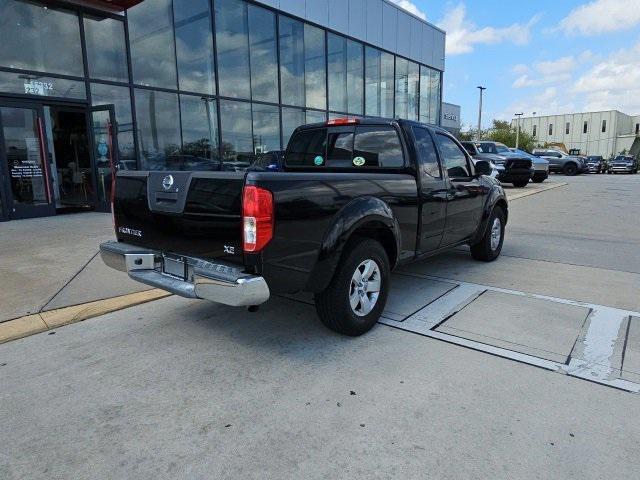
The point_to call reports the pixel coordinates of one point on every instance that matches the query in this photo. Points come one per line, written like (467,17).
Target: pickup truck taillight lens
(257,218)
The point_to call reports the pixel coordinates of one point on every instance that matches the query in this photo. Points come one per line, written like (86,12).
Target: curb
(40,322)
(533,192)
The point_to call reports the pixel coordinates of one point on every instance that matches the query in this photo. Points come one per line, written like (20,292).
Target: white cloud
(545,73)
(411,8)
(463,35)
(601,16)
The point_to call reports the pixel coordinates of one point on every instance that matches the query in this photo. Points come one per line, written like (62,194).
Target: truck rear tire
(521,183)
(356,297)
(489,248)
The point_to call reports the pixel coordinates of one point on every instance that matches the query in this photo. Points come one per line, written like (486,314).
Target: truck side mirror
(483,167)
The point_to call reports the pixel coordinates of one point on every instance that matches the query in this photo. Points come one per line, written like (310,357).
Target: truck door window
(426,152)
(453,157)
(340,149)
(379,146)
(307,148)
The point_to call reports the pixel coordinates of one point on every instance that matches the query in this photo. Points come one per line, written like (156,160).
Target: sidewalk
(53,262)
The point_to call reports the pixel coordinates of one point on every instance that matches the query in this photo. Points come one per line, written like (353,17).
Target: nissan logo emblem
(167,182)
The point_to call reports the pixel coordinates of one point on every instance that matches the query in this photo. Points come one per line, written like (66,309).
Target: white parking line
(592,357)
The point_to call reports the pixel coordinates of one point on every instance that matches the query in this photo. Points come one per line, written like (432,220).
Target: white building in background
(594,133)
(451,118)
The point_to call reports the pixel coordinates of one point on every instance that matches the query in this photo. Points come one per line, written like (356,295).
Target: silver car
(540,165)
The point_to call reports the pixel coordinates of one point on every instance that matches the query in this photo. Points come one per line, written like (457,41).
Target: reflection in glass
(425,91)
(194,45)
(413,88)
(266,128)
(152,44)
(434,104)
(316,117)
(237,135)
(263,51)
(22,149)
(106,50)
(379,82)
(199,134)
(315,67)
(232,42)
(158,128)
(292,61)
(292,118)
(346,75)
(402,87)
(42,85)
(38,37)
(119,97)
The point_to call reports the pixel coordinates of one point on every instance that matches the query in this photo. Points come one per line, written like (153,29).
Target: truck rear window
(362,147)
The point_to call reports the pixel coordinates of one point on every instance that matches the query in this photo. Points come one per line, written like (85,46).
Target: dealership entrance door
(55,158)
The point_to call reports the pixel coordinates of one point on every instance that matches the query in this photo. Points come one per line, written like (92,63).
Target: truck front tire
(489,248)
(356,297)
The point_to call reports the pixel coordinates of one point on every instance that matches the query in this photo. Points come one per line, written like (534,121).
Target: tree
(504,132)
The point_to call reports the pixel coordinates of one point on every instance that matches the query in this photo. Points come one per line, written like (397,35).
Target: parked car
(624,164)
(511,169)
(540,165)
(560,162)
(596,164)
(355,199)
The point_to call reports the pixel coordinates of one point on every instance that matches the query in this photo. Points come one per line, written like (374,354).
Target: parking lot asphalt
(186,389)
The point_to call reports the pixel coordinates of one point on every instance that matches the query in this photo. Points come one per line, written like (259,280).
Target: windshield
(487,148)
(502,148)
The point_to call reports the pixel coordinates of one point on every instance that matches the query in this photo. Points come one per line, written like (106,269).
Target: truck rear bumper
(215,282)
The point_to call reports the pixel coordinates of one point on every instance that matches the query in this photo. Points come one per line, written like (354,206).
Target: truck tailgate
(196,214)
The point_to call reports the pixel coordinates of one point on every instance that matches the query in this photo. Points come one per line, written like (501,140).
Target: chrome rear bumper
(202,279)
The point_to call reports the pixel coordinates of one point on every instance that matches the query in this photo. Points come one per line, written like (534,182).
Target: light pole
(518,115)
(482,89)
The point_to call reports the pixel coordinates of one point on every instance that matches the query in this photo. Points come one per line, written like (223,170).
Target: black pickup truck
(353,199)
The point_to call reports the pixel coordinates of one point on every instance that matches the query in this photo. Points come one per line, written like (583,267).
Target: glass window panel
(263,51)
(199,134)
(387,79)
(152,44)
(307,149)
(402,87)
(379,146)
(413,83)
(120,98)
(425,95)
(23,152)
(292,118)
(340,149)
(232,41)
(435,99)
(426,152)
(42,85)
(237,135)
(194,46)
(316,117)
(266,128)
(315,67)
(373,88)
(157,115)
(106,50)
(355,77)
(292,62)
(454,158)
(337,72)
(38,37)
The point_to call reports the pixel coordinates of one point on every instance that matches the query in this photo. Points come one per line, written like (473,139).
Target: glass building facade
(198,84)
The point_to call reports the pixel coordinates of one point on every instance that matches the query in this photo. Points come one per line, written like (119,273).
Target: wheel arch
(367,217)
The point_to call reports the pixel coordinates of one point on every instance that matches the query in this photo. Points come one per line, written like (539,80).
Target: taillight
(257,218)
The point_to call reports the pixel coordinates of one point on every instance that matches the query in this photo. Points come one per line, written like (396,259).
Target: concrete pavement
(49,263)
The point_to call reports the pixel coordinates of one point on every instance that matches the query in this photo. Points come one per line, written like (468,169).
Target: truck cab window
(426,152)
(340,149)
(379,146)
(307,148)
(454,159)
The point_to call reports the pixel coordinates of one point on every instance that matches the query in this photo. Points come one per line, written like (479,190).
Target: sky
(547,56)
